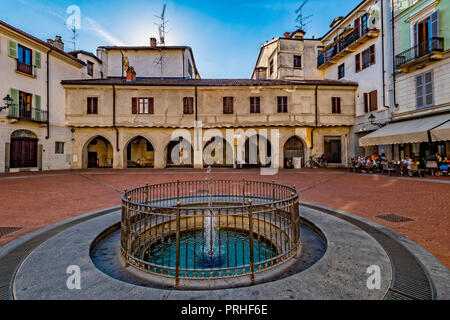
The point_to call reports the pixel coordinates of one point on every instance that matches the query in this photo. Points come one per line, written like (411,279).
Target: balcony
(24,68)
(347,44)
(27,113)
(433,49)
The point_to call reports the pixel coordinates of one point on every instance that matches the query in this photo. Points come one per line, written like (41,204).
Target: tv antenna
(75,35)
(302,21)
(162,27)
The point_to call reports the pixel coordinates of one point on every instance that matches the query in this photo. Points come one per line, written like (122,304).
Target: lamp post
(8,101)
(372,120)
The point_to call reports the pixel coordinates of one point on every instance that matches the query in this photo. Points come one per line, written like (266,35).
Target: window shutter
(134,105)
(12,49)
(428,86)
(416,39)
(374,100)
(338,100)
(435,24)
(366,103)
(356,27)
(95,102)
(150,106)
(419,91)
(37,59)
(358,62)
(372,54)
(14,108)
(37,102)
(333,104)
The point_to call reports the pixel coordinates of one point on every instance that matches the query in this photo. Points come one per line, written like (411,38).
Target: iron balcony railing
(24,68)
(341,44)
(27,113)
(420,50)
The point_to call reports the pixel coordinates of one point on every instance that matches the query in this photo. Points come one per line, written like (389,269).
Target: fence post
(178,191)
(295,224)
(250,229)
(128,238)
(177,263)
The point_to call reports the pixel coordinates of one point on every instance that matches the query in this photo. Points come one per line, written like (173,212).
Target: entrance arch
(23,149)
(218,153)
(139,153)
(98,153)
(255,147)
(294,148)
(180,153)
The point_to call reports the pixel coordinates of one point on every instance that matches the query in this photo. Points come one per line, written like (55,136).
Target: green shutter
(14,108)
(37,108)
(37,59)
(12,49)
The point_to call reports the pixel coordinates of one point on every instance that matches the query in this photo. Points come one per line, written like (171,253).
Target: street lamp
(372,121)
(8,101)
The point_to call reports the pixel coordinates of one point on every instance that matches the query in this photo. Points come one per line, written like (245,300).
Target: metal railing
(341,44)
(27,113)
(418,51)
(24,68)
(256,226)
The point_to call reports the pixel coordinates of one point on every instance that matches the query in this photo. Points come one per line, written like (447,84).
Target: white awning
(410,131)
(441,133)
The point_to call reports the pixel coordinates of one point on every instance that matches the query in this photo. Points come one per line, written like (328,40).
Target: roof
(53,48)
(156,48)
(207,82)
(86,53)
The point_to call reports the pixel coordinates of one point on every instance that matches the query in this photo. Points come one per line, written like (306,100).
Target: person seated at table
(406,166)
(383,157)
(361,162)
(368,167)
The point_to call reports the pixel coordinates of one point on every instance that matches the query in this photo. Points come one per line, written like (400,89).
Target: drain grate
(7,230)
(394,218)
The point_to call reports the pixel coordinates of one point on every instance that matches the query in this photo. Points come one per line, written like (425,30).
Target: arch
(23,151)
(98,152)
(183,148)
(221,145)
(294,147)
(139,153)
(257,147)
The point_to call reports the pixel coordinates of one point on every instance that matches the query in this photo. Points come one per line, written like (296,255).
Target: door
(23,153)
(333,150)
(92,160)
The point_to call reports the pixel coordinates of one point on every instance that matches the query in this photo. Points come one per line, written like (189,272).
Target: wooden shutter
(37,102)
(366,102)
(37,59)
(12,49)
(374,100)
(434,24)
(372,54)
(419,91)
(428,88)
(357,28)
(134,105)
(150,106)
(14,108)
(358,62)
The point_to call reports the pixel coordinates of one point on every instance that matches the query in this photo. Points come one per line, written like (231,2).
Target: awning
(441,133)
(410,131)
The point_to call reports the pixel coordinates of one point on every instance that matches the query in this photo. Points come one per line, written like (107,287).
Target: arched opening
(258,152)
(180,153)
(140,153)
(218,153)
(23,149)
(99,153)
(293,149)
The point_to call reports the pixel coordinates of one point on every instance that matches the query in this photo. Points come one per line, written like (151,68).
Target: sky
(225,35)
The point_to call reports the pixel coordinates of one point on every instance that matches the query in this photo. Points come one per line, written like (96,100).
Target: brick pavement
(35,200)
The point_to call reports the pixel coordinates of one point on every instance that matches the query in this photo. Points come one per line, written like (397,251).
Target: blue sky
(225,35)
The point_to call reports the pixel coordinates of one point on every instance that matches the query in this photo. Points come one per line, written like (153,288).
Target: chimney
(298,34)
(287,35)
(58,43)
(153,42)
(131,74)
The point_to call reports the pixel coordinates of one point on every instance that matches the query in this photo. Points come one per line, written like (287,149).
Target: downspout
(122,63)
(48,94)
(393,56)
(183,53)
(196,104)
(114,118)
(317,118)
(382,52)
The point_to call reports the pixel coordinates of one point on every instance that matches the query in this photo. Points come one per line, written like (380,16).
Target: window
(90,68)
(92,105)
(341,71)
(335,105)
(364,20)
(59,147)
(145,105)
(424,90)
(282,104)
(228,105)
(371,101)
(297,61)
(25,100)
(271,67)
(190,69)
(255,105)
(24,60)
(367,57)
(188,105)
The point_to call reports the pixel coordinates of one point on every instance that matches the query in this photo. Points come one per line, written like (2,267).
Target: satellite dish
(374,17)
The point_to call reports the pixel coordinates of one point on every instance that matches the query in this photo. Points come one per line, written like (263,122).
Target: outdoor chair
(385,167)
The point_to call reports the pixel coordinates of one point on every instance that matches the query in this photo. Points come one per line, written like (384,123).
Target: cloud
(101,32)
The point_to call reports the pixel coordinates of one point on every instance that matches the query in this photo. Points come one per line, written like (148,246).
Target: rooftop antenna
(302,21)
(162,40)
(74,36)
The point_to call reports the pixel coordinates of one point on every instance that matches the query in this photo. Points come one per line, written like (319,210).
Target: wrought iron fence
(420,50)
(27,113)
(209,229)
